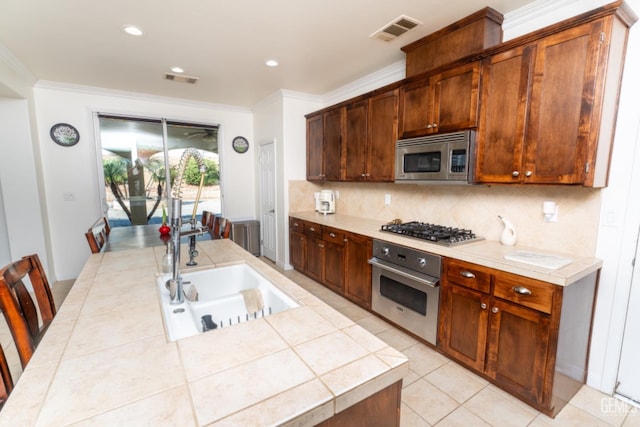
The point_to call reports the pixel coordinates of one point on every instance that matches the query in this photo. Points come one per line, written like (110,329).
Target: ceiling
(320,45)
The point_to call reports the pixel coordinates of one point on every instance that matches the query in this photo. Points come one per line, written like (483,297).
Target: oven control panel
(412,259)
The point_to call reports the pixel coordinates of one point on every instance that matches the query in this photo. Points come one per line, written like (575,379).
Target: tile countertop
(484,252)
(106,360)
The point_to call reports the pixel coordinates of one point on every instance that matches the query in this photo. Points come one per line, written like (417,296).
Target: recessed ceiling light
(271,63)
(132,30)
(177,70)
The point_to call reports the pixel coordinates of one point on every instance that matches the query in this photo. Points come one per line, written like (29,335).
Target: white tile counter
(106,360)
(484,252)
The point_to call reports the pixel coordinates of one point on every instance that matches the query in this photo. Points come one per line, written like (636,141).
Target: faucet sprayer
(175,283)
(177,193)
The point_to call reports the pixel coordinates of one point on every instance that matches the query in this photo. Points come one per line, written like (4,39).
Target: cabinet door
(463,324)
(416,105)
(315,148)
(333,131)
(357,270)
(297,250)
(382,136)
(334,267)
(518,349)
(455,98)
(500,137)
(561,107)
(356,141)
(314,266)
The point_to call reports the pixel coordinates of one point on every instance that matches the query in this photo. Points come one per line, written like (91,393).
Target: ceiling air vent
(396,28)
(180,78)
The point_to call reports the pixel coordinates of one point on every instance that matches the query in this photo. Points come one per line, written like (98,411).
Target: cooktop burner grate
(443,235)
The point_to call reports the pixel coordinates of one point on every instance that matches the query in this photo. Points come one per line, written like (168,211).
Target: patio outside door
(135,155)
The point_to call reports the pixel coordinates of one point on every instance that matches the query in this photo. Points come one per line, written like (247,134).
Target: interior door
(268,200)
(628,372)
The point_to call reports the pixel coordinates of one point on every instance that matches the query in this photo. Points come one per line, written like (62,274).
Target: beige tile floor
(439,392)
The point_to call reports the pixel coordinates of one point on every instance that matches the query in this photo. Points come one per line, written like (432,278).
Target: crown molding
(542,13)
(389,74)
(92,90)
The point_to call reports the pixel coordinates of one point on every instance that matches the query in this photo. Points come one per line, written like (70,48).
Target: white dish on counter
(551,262)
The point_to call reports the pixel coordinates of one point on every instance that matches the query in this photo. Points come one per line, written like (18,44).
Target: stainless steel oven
(440,158)
(405,288)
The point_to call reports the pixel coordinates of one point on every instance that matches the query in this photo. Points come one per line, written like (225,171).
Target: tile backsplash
(473,207)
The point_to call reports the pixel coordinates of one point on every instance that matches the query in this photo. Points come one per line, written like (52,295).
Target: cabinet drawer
(527,292)
(296,224)
(313,229)
(333,235)
(469,275)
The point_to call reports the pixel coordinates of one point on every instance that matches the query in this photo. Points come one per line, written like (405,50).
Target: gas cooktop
(440,234)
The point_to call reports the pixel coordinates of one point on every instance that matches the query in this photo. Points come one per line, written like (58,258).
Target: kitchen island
(106,359)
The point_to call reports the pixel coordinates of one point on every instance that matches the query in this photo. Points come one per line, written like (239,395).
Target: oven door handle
(432,283)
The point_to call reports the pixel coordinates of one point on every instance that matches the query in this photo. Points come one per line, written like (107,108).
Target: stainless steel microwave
(442,158)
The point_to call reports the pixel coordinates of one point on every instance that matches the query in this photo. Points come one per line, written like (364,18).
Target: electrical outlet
(387,199)
(68,197)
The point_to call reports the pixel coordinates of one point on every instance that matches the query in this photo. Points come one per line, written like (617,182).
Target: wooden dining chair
(19,309)
(97,234)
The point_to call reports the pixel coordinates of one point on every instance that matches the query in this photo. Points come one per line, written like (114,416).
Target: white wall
(75,169)
(280,118)
(21,230)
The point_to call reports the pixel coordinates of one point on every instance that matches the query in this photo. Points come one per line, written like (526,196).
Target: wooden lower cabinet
(357,270)
(333,257)
(382,409)
(528,337)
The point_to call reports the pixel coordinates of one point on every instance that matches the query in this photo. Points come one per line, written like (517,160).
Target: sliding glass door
(135,155)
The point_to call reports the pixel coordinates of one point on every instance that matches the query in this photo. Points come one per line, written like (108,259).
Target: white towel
(252,300)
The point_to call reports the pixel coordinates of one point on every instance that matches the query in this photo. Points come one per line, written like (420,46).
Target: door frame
(274,232)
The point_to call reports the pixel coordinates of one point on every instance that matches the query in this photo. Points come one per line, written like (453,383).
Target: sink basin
(219,295)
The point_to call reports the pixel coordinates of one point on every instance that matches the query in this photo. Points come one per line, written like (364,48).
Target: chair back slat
(215,231)
(207,219)
(226,229)
(6,385)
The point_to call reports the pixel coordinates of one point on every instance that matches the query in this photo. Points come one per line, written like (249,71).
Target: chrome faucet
(175,285)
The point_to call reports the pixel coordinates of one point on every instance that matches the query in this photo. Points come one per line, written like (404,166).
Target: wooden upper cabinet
(500,137)
(356,141)
(548,107)
(382,136)
(561,111)
(371,132)
(333,131)
(444,102)
(324,145)
(315,148)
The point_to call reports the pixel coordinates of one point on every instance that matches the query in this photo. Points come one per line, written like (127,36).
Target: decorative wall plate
(64,134)
(240,144)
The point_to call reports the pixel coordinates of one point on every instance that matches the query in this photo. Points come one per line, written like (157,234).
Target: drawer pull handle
(332,234)
(494,310)
(312,229)
(521,290)
(483,306)
(468,274)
